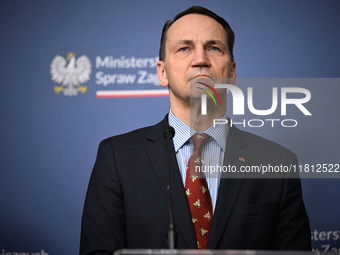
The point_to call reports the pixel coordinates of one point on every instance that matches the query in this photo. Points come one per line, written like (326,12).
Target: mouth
(201,76)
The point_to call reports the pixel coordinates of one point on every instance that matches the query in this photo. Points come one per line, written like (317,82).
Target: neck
(190,114)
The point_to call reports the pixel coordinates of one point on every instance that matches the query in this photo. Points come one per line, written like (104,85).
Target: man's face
(196,47)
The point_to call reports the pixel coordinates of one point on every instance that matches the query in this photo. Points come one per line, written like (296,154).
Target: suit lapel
(158,156)
(229,188)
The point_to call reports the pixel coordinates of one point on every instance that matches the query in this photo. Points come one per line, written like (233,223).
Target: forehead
(196,27)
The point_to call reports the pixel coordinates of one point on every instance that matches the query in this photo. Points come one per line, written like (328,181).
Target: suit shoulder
(260,145)
(138,137)
(132,138)
(134,134)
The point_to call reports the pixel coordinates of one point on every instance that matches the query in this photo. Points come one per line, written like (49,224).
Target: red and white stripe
(132,93)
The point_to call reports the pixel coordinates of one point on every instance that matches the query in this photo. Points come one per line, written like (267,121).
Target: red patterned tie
(198,193)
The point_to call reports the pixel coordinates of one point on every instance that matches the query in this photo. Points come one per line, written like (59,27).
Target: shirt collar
(183,132)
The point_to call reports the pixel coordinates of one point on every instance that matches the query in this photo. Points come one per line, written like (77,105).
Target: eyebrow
(214,42)
(184,42)
(190,42)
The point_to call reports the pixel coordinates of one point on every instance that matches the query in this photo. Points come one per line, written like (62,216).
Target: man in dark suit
(126,204)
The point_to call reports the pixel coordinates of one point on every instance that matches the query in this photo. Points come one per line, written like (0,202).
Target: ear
(162,76)
(232,75)
(233,70)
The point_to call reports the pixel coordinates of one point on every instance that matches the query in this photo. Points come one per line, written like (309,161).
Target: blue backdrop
(48,141)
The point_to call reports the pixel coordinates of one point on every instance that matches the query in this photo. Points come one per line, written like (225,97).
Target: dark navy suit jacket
(126,202)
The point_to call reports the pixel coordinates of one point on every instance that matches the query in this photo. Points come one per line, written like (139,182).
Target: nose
(200,58)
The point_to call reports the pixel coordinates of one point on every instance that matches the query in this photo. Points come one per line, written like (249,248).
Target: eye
(214,48)
(184,49)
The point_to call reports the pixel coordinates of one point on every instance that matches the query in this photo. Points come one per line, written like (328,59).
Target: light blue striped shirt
(212,153)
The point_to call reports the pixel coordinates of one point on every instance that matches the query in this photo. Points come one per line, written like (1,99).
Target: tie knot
(199,140)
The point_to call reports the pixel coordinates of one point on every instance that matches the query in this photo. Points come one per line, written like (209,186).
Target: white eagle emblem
(70,73)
